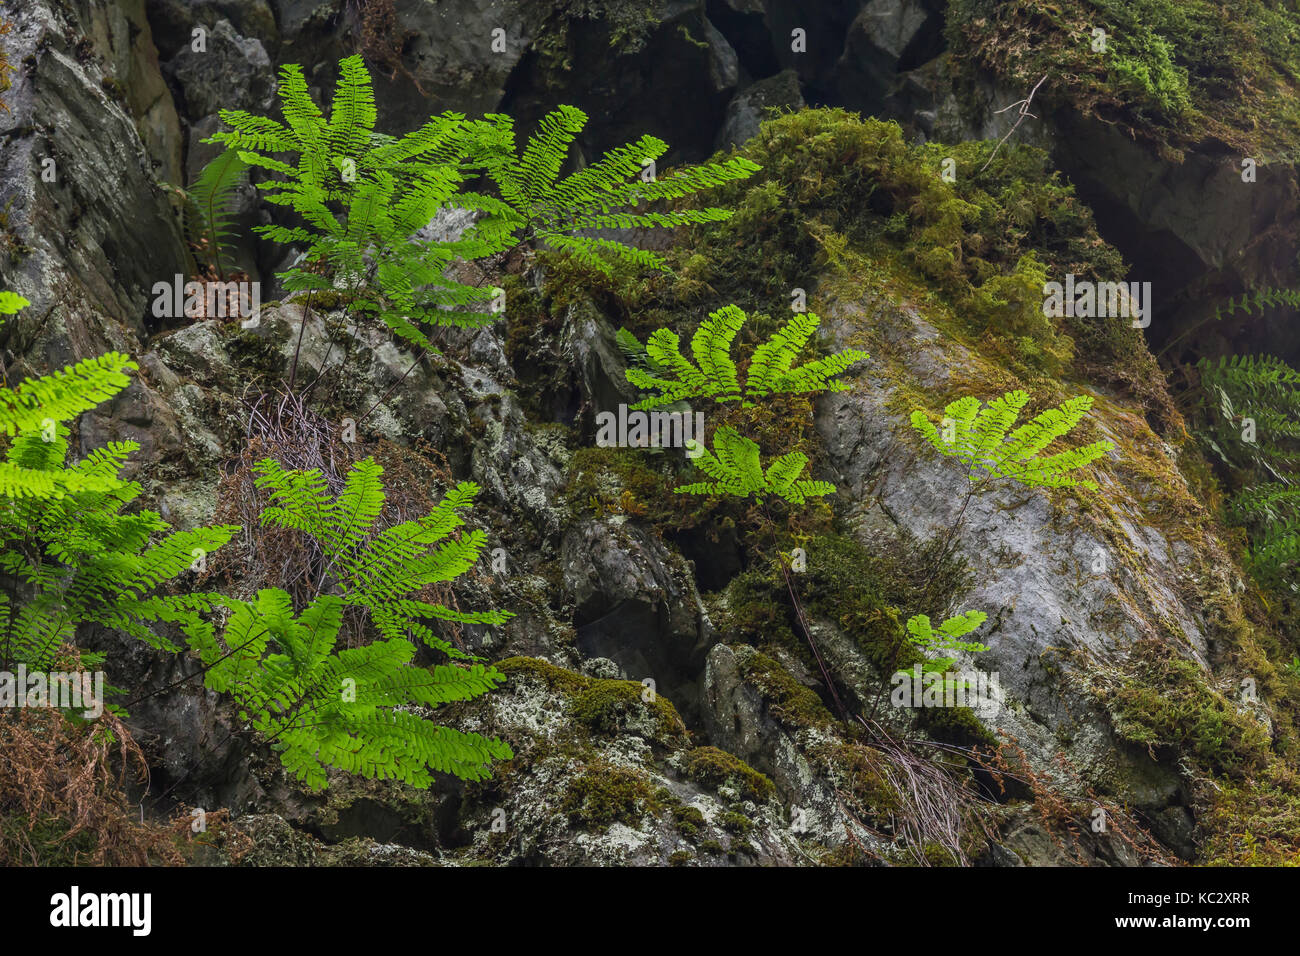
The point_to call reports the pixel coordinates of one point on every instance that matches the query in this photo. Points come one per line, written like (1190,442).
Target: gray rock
(750,107)
(635,603)
(232,72)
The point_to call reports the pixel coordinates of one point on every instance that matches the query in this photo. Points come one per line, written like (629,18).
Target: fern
(714,374)
(210,203)
(1257,300)
(381,572)
(1253,406)
(364,196)
(607,194)
(922,635)
(359,709)
(736,470)
(977,436)
(69,553)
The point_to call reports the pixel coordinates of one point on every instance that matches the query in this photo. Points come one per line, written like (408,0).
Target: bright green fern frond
(737,471)
(675,379)
(977,436)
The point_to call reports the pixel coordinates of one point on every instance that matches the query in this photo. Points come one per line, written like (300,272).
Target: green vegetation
(1172,71)
(947,638)
(320,705)
(365,198)
(714,375)
(976,435)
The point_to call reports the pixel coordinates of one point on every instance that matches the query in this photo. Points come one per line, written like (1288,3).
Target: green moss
(567,682)
(689,820)
(604,481)
(1255,822)
(714,768)
(605,707)
(850,200)
(955,725)
(1173,73)
(604,794)
(47,841)
(1166,702)
(735,822)
(680,857)
(793,704)
(613,707)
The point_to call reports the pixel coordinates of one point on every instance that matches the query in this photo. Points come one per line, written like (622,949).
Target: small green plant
(381,572)
(1252,411)
(928,641)
(714,374)
(358,709)
(365,197)
(361,709)
(209,208)
(976,435)
(72,555)
(736,469)
(11,302)
(607,194)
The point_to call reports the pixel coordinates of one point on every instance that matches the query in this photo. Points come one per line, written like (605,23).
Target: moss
(1174,72)
(46,841)
(714,768)
(604,794)
(559,679)
(1255,822)
(680,857)
(712,846)
(843,583)
(864,776)
(604,481)
(605,707)
(850,200)
(955,725)
(613,707)
(793,704)
(689,820)
(1166,702)
(735,822)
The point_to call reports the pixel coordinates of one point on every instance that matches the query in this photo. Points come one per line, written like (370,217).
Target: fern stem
(306,314)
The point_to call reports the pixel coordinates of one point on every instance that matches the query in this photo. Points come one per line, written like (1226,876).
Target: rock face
(748,764)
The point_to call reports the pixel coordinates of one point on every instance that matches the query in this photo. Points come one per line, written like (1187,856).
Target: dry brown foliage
(283,427)
(62,799)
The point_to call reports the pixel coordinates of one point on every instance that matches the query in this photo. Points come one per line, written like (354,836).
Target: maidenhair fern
(381,572)
(736,469)
(976,435)
(72,554)
(922,635)
(714,374)
(606,194)
(360,709)
(1253,415)
(209,208)
(1254,412)
(365,197)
